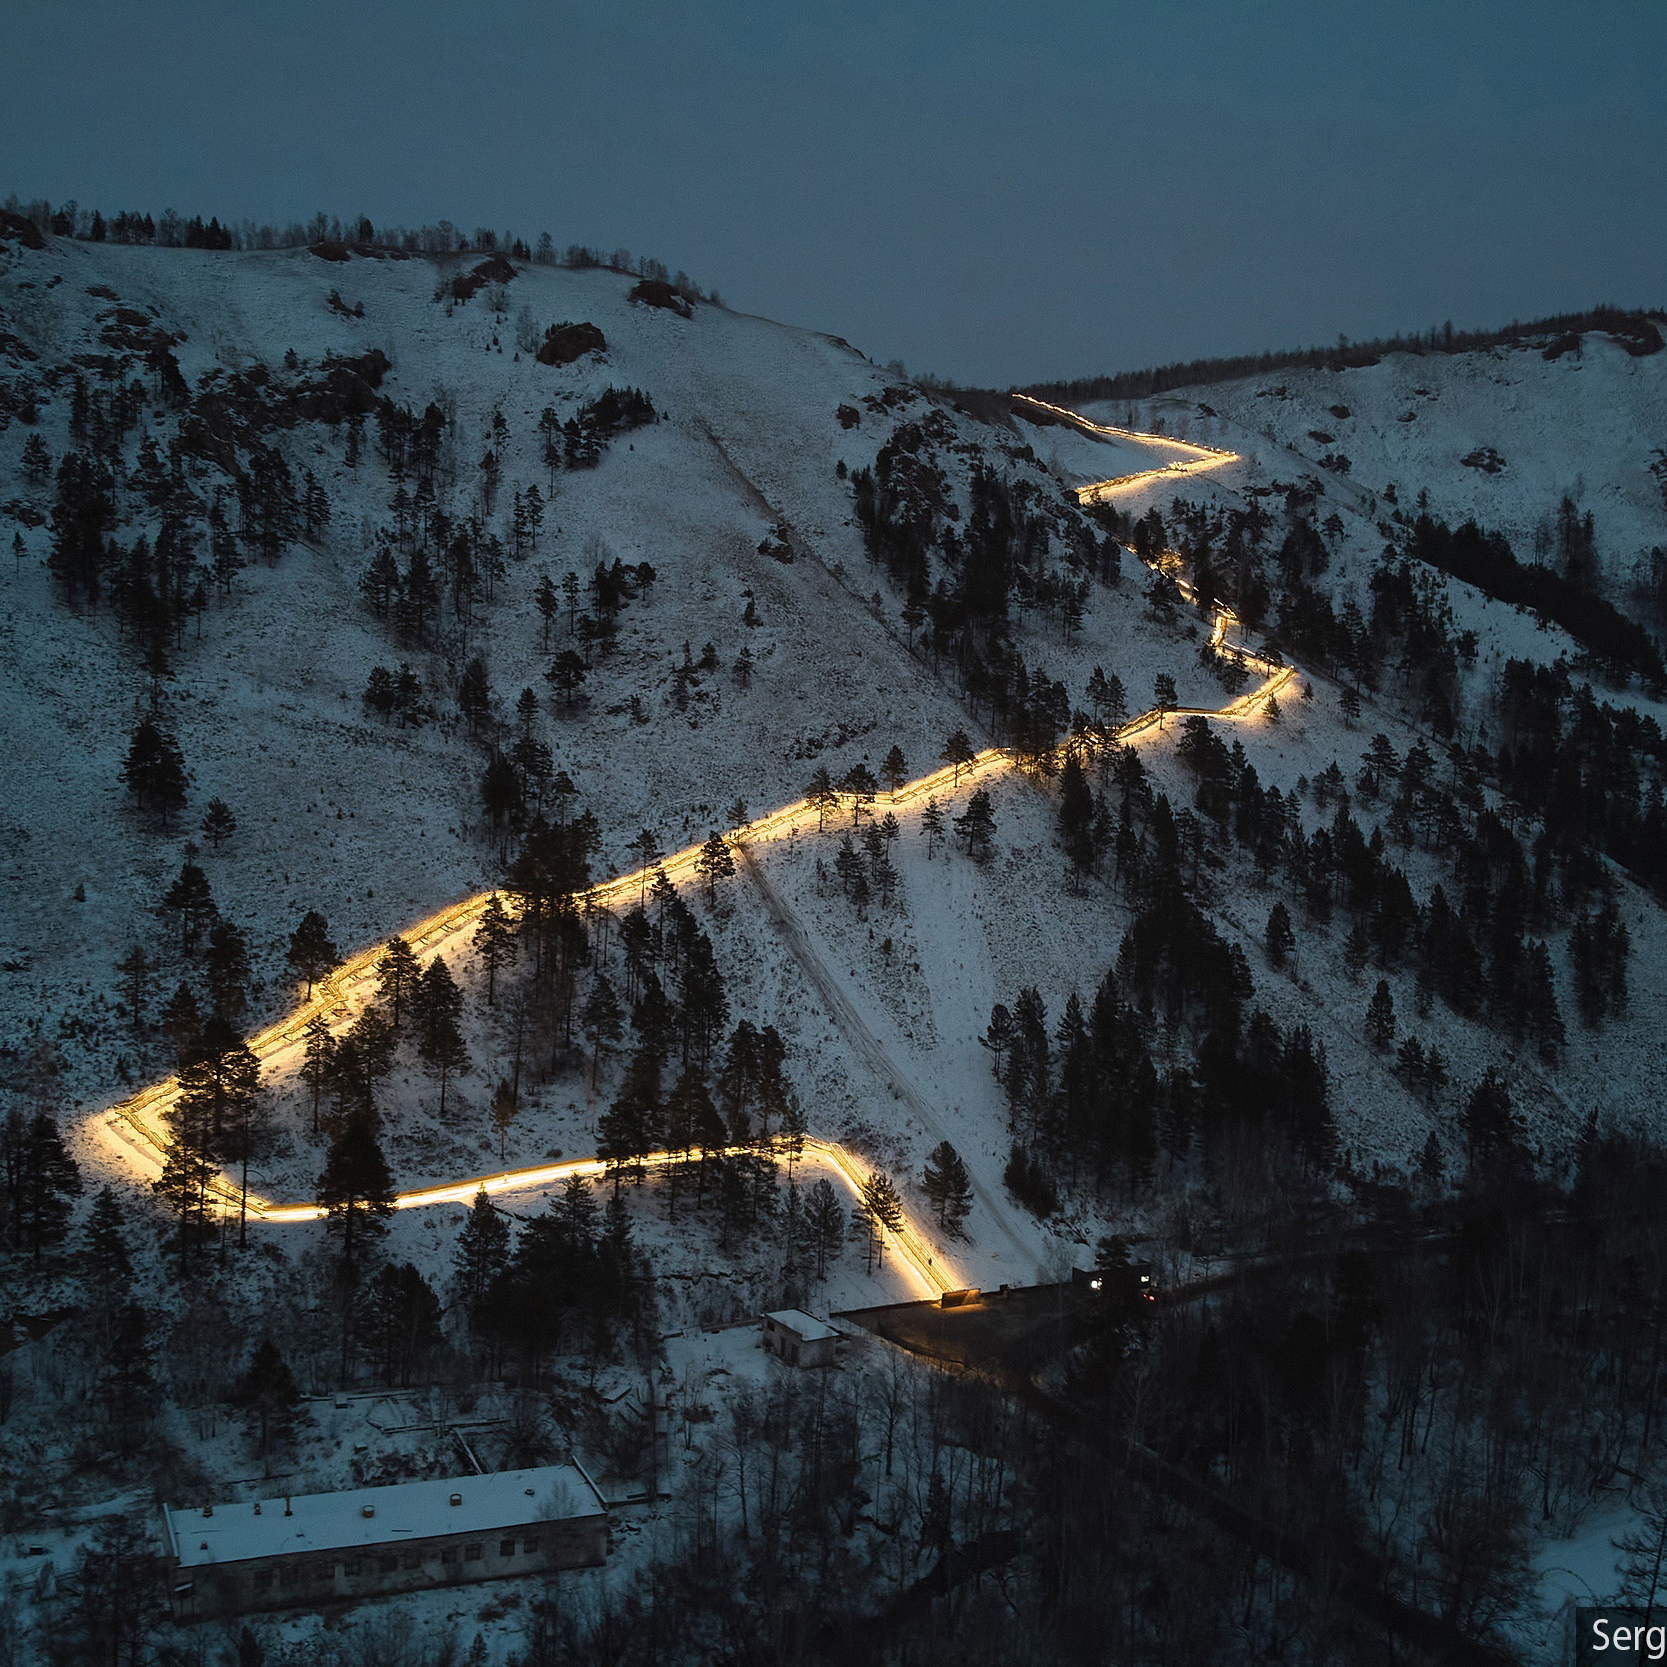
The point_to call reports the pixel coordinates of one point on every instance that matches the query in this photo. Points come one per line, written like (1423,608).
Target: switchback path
(136,1130)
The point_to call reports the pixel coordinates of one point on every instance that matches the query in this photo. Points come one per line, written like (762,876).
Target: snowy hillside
(735,499)
(1249,892)
(375,825)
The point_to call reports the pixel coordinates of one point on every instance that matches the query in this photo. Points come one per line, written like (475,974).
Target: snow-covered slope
(1499,434)
(376,826)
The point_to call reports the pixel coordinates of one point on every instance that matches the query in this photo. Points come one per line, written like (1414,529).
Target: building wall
(409,1565)
(794,1350)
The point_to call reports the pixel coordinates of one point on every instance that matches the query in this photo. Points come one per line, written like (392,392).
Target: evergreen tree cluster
(570,1276)
(1480,939)
(1618,645)
(1594,773)
(963,581)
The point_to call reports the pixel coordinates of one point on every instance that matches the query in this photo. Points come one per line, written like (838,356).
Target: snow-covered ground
(881,1011)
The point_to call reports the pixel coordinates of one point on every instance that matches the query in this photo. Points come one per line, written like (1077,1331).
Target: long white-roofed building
(318,1548)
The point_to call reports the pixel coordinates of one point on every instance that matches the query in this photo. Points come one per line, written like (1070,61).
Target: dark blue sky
(994,192)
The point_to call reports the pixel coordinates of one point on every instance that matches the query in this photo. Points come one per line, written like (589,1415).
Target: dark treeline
(1638,332)
(1107,1088)
(1092,1093)
(1605,799)
(332,236)
(1485,560)
(1594,773)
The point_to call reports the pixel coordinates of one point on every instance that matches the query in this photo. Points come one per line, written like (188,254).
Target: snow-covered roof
(379,1516)
(805,1326)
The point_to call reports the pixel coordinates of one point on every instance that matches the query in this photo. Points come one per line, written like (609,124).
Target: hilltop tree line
(1638,332)
(334,237)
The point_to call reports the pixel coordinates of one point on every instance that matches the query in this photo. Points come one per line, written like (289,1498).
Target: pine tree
(482,1253)
(218,822)
(1493,1131)
(931,825)
(127,1383)
(977,823)
(190,898)
(267,1395)
(714,863)
(44,1180)
(526,712)
(401,1314)
(998,1038)
(505,1106)
(1430,1161)
(824,1225)
(1279,937)
(1543,1017)
(226,972)
(218,1114)
(154,771)
(948,1187)
(181,1022)
(1380,1017)
(135,968)
(244,1124)
(624,1132)
(1076,817)
(566,674)
(894,770)
(37,461)
(494,942)
(106,1262)
(317,1060)
(822,796)
(437,1005)
(603,1019)
(312,955)
(1109,700)
(958,753)
(878,1211)
(355,1189)
(859,782)
(188,1170)
(397,974)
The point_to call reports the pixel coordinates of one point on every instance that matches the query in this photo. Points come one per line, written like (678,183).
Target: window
(388,1564)
(411,1560)
(261,1580)
(529,1547)
(471,1554)
(448,1554)
(351,1567)
(506,1548)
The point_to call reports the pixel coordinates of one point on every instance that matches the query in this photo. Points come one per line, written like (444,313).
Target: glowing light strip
(1198,459)
(132,1128)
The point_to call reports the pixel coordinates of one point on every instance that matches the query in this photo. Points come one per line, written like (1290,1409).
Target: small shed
(799,1339)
